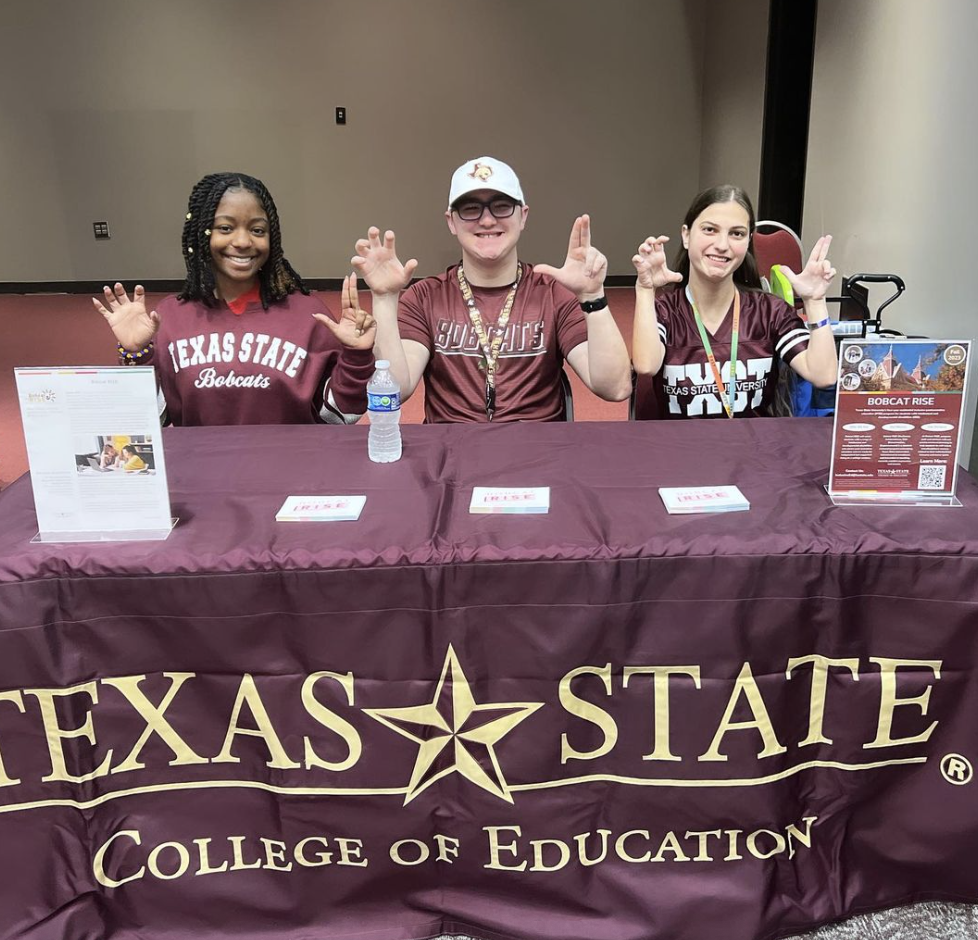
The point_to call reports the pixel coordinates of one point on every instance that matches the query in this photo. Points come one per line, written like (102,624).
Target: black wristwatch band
(590,306)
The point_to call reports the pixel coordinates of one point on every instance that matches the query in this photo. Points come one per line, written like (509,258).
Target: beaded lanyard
(490,346)
(729,399)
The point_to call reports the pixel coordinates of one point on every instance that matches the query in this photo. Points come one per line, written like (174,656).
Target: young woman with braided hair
(240,343)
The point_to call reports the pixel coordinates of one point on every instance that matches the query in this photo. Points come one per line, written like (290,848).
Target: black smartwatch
(590,306)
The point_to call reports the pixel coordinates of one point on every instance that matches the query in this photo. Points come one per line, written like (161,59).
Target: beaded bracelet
(128,358)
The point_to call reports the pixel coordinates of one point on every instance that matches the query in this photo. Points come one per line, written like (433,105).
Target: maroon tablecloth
(573,726)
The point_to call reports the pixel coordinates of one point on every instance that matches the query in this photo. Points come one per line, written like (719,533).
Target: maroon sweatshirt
(275,366)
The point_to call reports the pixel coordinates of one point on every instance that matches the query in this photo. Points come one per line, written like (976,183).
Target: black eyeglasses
(472,210)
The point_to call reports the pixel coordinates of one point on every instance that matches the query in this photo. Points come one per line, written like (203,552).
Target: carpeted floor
(934,920)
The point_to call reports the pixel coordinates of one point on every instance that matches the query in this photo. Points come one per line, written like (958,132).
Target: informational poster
(898,420)
(95,453)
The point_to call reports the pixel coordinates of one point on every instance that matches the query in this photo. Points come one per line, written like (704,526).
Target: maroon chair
(777,244)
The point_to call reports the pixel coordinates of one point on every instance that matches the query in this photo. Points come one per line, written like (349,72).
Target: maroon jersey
(275,366)
(546,323)
(685,387)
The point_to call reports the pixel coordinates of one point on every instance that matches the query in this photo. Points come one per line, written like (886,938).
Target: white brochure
(516,499)
(321,509)
(95,452)
(680,500)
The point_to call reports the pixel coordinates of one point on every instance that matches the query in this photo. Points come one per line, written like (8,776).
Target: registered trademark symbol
(956,769)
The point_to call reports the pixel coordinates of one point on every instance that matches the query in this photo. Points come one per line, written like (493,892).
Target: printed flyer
(96,458)
(898,416)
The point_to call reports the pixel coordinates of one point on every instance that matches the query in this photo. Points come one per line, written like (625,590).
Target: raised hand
(813,282)
(584,269)
(377,263)
(652,266)
(132,325)
(356,327)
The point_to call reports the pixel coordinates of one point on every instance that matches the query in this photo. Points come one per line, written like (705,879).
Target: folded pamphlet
(514,499)
(690,499)
(321,509)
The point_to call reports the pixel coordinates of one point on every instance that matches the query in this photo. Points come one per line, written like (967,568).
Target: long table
(602,723)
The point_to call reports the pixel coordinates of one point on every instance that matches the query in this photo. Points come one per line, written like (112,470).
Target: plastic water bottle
(384,408)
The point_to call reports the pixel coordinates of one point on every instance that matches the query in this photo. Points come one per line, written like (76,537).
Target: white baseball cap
(484,173)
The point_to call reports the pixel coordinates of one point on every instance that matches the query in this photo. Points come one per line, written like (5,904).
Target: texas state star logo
(454,734)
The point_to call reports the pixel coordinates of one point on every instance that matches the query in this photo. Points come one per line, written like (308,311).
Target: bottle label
(382,402)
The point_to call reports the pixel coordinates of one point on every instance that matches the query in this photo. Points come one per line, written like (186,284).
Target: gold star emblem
(455,734)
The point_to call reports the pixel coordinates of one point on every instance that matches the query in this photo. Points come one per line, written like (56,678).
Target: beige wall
(734,67)
(893,148)
(111,109)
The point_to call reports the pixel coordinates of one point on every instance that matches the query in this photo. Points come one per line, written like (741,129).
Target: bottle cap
(382,364)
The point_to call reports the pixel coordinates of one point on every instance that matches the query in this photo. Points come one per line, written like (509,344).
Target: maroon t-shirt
(272,366)
(545,325)
(685,387)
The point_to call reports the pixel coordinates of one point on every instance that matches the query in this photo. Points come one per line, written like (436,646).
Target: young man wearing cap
(490,335)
